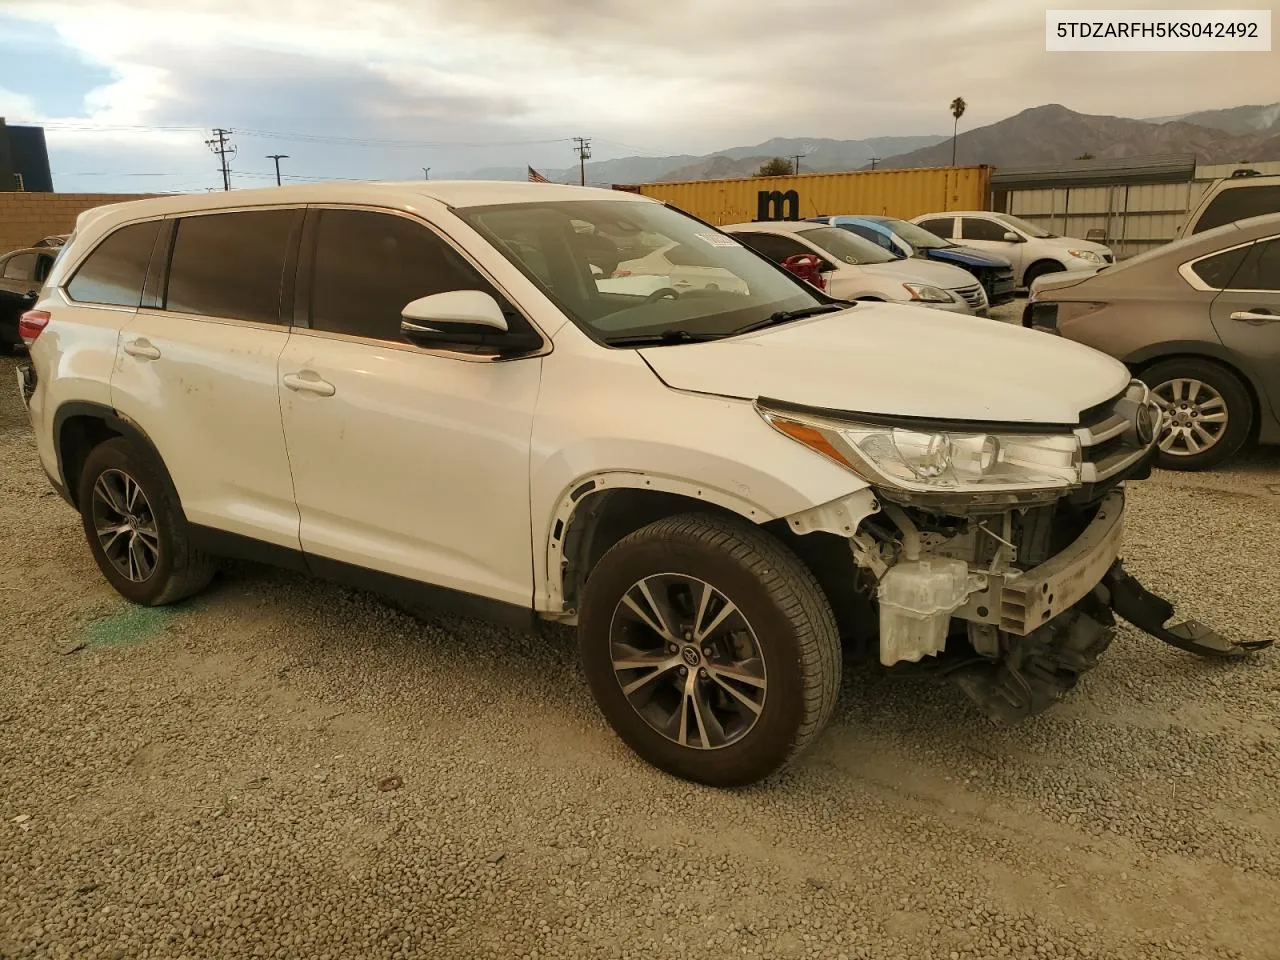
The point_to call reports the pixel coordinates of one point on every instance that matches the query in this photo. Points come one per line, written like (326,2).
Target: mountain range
(1050,133)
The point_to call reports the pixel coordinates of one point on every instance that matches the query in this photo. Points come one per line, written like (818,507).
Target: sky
(129,90)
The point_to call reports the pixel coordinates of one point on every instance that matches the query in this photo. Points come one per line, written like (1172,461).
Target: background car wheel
(135,528)
(1206,410)
(710,648)
(1037,270)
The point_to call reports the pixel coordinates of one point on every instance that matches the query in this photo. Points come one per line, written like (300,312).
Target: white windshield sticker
(717,239)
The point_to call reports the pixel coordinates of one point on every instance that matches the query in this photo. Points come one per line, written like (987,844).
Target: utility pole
(277,157)
(426,173)
(583,149)
(874,161)
(225,151)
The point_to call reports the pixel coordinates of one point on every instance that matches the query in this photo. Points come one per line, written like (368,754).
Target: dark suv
(22,274)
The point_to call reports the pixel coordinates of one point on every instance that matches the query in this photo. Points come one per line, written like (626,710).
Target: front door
(1246,317)
(987,233)
(405,461)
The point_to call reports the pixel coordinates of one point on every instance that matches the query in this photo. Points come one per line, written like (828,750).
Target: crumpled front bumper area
(1041,667)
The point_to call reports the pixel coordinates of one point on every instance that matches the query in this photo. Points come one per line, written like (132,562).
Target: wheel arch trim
(118,423)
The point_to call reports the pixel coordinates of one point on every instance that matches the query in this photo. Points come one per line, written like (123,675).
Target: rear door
(944,227)
(1246,317)
(197,367)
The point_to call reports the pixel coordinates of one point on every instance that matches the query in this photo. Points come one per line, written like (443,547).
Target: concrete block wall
(26,217)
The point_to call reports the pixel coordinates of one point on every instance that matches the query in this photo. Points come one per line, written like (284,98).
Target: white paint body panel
(892,360)
(418,465)
(211,405)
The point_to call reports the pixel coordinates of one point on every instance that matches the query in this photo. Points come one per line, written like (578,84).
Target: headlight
(933,466)
(1088,255)
(926,293)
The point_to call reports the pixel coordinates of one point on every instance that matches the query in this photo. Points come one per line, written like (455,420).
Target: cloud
(668,76)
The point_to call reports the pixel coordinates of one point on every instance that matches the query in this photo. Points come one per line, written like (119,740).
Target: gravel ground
(283,768)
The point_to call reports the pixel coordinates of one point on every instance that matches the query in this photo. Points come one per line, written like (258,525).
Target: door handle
(1256,316)
(309,384)
(142,348)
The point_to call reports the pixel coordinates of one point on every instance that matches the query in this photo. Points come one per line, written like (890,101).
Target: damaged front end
(996,554)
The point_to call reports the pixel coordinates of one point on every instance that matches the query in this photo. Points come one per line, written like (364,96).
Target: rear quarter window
(113,273)
(1216,271)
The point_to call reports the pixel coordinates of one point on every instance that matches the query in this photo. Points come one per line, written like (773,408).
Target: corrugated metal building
(1132,205)
(898,193)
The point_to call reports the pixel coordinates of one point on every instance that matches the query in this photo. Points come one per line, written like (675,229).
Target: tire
(1038,270)
(159,565)
(1194,393)
(790,647)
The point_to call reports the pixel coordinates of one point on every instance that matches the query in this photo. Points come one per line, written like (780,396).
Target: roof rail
(1244,172)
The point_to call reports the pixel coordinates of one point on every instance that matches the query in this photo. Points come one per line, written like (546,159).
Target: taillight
(31,324)
(622,273)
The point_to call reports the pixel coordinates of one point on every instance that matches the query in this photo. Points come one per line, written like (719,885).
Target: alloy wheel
(687,661)
(1193,416)
(125,525)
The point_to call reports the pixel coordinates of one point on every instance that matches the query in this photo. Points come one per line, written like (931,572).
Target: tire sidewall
(119,454)
(769,743)
(1233,393)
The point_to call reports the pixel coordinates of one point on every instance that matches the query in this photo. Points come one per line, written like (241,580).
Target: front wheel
(710,648)
(135,527)
(1206,412)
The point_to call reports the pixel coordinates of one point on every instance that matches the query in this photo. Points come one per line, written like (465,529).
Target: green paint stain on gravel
(131,625)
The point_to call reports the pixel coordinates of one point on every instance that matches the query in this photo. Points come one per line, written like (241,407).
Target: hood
(901,361)
(969,256)
(912,270)
(1060,280)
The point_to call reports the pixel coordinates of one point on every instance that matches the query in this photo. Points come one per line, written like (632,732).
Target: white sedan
(857,269)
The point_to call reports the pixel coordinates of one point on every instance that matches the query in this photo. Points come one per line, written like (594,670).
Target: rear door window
(114,272)
(1239,203)
(940,227)
(231,265)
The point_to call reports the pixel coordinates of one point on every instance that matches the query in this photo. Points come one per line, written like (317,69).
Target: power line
(218,144)
(583,149)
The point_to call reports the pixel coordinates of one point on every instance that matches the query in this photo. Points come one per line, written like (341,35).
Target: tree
(957,111)
(777,167)
(1086,156)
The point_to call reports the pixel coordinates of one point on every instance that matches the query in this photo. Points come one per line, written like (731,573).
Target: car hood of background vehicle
(904,361)
(920,271)
(1071,243)
(968,256)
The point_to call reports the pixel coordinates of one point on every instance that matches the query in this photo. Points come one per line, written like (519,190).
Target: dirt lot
(203,781)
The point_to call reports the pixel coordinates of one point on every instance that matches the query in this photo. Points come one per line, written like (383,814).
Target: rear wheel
(709,648)
(1206,412)
(135,528)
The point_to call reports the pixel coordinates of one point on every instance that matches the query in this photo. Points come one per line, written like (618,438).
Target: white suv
(1032,250)
(430,388)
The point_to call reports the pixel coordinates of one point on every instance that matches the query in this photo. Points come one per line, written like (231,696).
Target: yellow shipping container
(893,193)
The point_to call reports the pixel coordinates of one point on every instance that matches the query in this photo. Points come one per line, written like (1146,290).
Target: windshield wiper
(786,316)
(665,338)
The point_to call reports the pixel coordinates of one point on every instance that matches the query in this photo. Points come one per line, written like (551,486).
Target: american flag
(536,177)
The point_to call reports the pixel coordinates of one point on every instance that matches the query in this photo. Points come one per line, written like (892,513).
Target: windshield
(846,247)
(625,269)
(917,236)
(1030,229)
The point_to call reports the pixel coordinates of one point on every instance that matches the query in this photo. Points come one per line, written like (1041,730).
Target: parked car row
(447,391)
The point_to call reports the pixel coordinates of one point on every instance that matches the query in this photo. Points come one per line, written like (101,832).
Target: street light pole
(277,157)
(426,173)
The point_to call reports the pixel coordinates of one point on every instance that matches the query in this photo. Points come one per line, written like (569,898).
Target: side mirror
(459,319)
(1011,237)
